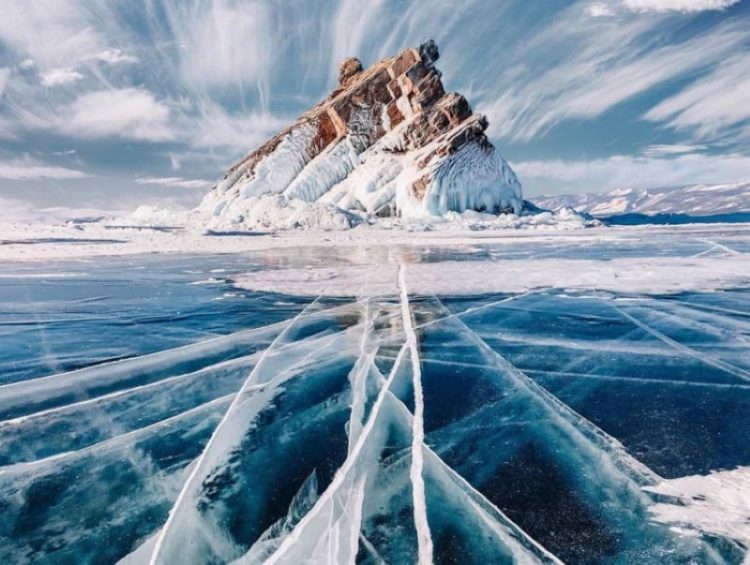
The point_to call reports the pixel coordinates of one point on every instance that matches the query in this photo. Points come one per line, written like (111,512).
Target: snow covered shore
(683,258)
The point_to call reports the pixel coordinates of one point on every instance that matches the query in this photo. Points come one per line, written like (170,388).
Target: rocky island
(388,141)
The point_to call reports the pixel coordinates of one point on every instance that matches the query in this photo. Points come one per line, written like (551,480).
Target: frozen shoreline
(21,241)
(31,241)
(712,266)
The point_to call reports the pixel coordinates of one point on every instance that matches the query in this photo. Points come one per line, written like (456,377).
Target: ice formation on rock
(388,141)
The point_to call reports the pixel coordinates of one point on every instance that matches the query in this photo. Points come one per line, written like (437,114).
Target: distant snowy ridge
(696,200)
(388,141)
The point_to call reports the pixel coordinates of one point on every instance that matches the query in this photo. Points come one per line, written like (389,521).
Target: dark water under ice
(543,415)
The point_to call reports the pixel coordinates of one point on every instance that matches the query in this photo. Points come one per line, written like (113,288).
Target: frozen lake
(377,404)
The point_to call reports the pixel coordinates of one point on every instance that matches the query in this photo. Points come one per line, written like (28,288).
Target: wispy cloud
(352,23)
(215,127)
(611,64)
(611,8)
(54,33)
(207,80)
(599,10)
(30,169)
(114,57)
(673,149)
(716,103)
(223,43)
(687,6)
(59,77)
(4,74)
(177,182)
(130,113)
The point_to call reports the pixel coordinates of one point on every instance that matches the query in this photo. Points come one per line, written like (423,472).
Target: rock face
(387,141)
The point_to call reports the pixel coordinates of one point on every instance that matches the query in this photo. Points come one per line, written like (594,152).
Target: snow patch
(626,275)
(717,503)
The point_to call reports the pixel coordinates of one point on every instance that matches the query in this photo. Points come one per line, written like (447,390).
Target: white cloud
(596,175)
(129,113)
(352,24)
(4,75)
(54,33)
(715,103)
(28,169)
(609,64)
(215,127)
(175,162)
(222,43)
(6,129)
(687,6)
(178,182)
(59,77)
(673,149)
(114,57)
(599,10)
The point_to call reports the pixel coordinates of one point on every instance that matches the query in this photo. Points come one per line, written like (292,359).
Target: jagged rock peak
(388,140)
(349,67)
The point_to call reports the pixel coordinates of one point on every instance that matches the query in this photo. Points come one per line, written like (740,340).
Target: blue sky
(106,104)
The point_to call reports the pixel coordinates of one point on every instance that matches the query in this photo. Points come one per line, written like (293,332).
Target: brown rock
(327,131)
(429,90)
(349,67)
(394,115)
(402,62)
(419,186)
(368,103)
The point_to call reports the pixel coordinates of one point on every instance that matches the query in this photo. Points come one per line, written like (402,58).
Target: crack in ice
(343,471)
(705,358)
(204,456)
(573,422)
(510,534)
(417,455)
(594,376)
(113,442)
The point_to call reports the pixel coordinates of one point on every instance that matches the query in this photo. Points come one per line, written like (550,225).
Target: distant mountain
(692,200)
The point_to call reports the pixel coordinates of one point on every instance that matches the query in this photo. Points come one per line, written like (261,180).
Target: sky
(109,104)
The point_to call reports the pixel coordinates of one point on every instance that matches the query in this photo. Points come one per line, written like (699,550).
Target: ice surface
(502,423)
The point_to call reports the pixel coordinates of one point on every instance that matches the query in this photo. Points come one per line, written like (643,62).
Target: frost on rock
(388,141)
